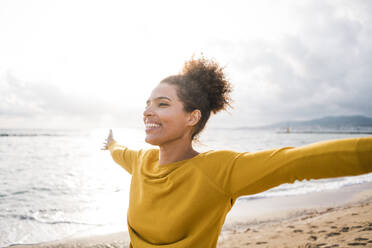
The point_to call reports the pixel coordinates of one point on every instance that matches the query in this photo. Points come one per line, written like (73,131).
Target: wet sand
(347,225)
(338,218)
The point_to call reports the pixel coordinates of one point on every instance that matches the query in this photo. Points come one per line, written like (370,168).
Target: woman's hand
(108,141)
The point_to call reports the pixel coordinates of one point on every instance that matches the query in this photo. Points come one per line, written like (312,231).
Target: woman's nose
(148,111)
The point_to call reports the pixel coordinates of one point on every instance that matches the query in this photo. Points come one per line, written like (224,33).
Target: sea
(58,183)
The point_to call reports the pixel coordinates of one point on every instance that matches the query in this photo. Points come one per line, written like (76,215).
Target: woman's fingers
(108,140)
(104,147)
(110,137)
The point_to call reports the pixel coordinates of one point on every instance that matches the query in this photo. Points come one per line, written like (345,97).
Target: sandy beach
(335,222)
(339,218)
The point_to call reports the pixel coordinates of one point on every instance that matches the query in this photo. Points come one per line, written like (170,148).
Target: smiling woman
(179,197)
(180,106)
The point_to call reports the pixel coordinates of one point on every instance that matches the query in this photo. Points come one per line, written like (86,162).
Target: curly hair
(202,85)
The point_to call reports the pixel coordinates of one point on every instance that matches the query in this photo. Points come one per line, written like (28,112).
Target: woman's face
(164,116)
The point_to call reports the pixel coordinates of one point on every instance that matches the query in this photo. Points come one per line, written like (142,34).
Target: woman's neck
(176,151)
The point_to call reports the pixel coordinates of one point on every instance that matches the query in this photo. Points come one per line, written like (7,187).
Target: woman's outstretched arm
(251,173)
(123,156)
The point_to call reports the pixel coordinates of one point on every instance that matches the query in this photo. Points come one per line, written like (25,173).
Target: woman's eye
(163,104)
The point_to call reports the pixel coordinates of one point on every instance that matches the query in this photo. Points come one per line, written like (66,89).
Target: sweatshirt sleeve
(123,156)
(251,173)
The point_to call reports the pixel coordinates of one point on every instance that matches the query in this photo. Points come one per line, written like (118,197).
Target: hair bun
(210,78)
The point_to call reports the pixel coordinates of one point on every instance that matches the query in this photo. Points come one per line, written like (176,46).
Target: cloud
(287,59)
(37,104)
(324,68)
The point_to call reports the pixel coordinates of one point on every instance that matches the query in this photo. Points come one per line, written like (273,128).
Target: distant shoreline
(328,132)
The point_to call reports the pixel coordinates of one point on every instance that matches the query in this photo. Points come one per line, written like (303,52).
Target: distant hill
(331,122)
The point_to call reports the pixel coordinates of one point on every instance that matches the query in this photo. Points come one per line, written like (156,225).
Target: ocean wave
(33,218)
(41,189)
(20,192)
(29,134)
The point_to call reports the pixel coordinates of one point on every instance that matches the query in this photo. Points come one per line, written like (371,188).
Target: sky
(94,63)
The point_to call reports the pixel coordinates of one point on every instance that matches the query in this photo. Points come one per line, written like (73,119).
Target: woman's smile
(151,126)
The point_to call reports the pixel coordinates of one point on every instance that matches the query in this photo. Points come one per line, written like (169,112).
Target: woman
(180,197)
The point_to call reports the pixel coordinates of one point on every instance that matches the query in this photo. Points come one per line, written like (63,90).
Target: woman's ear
(194,117)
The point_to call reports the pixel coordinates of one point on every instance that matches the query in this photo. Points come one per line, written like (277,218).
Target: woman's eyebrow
(163,97)
(159,98)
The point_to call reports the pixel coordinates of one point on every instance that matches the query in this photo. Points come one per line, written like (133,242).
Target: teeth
(152,125)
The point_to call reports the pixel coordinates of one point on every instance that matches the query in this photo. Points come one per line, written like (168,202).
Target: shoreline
(286,207)
(332,217)
(336,223)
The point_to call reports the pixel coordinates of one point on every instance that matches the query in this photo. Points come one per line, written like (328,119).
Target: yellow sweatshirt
(184,204)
